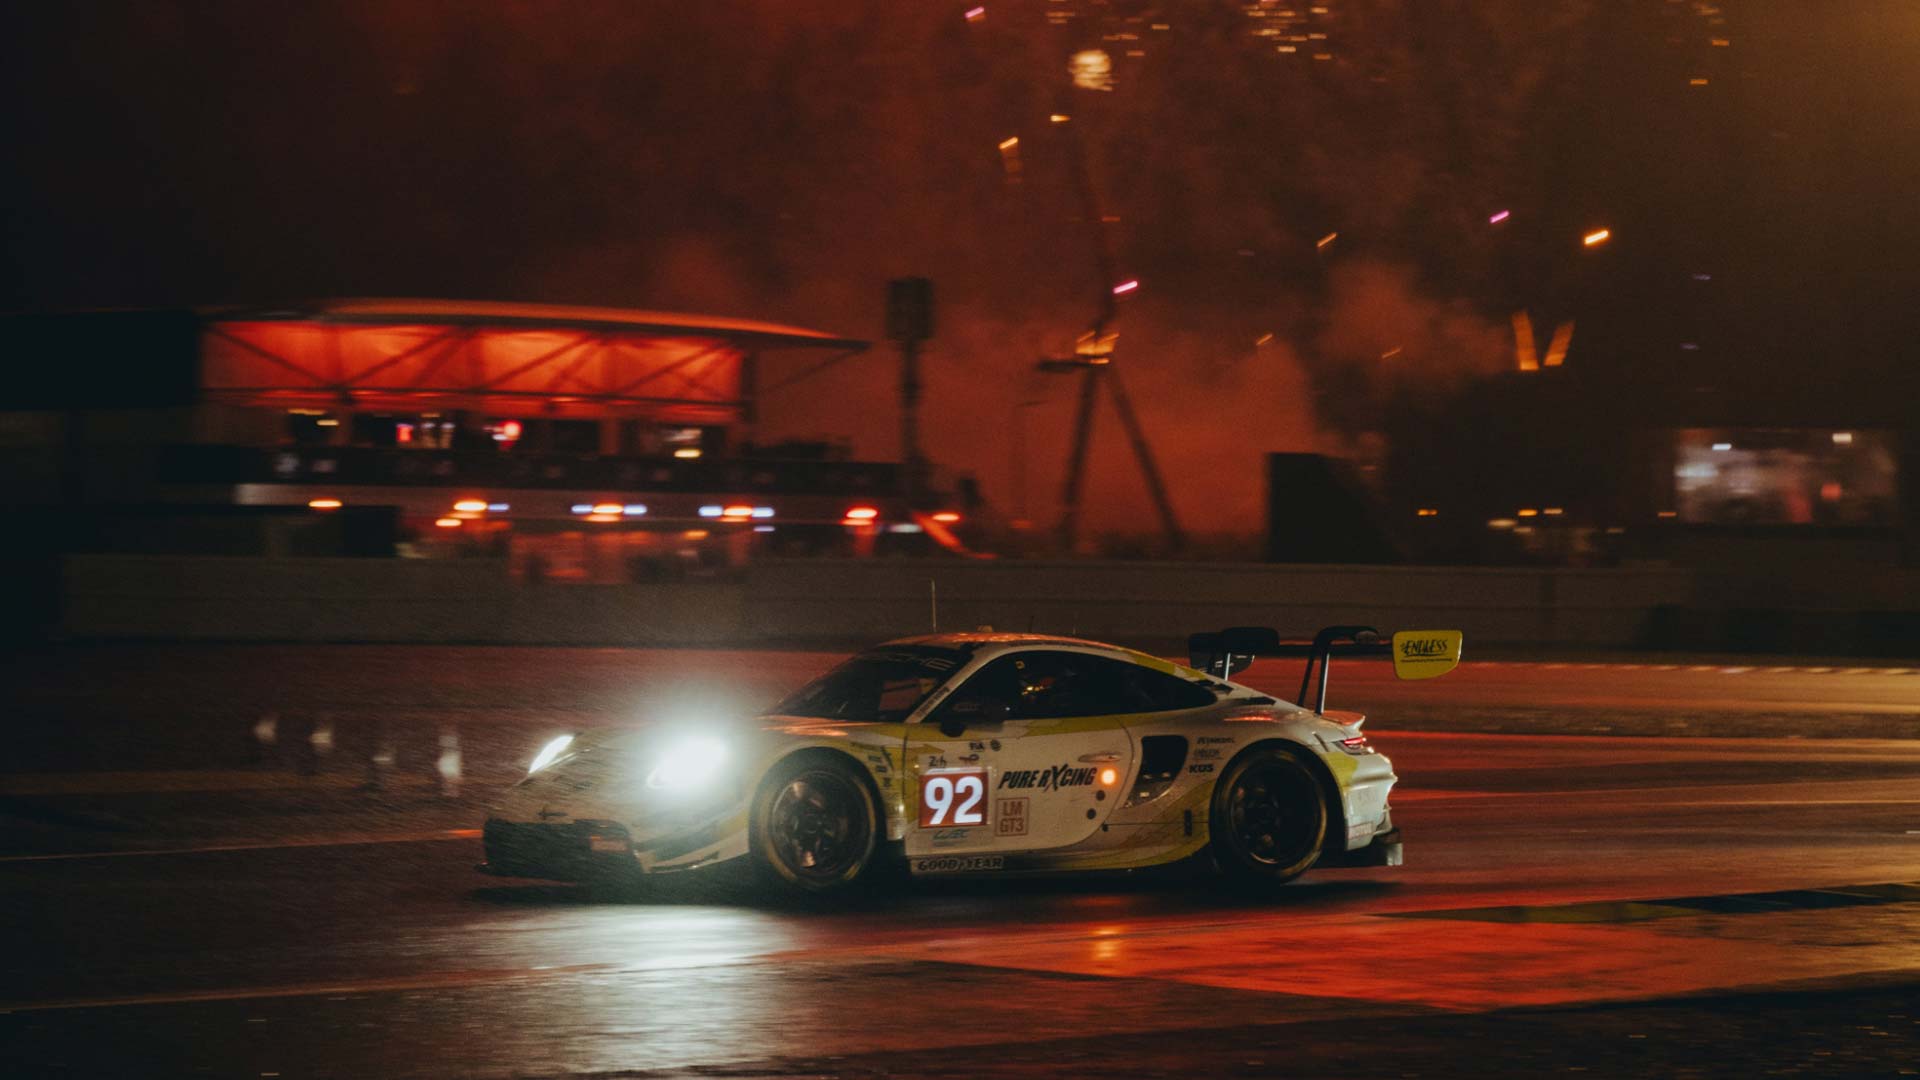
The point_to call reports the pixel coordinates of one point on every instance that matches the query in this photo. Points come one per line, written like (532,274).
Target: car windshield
(883,685)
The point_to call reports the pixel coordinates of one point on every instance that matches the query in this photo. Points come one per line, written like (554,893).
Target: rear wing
(1416,654)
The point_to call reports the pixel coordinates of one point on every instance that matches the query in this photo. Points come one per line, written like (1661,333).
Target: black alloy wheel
(814,824)
(1269,817)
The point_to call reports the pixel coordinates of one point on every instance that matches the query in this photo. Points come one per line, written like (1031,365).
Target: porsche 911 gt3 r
(983,752)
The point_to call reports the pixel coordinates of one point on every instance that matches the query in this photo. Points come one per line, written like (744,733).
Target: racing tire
(1269,817)
(815,825)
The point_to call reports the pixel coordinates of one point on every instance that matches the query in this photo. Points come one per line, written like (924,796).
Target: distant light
(1427,511)
(448,523)
(862,513)
(687,453)
(1669,513)
(1719,42)
(507,431)
(1696,82)
(1126,286)
(602,518)
(1690,346)
(1843,438)
(499,508)
(1091,70)
(403,433)
(1831,491)
(1010,142)
(763,528)
(1501,523)
(695,534)
(327,421)
(1703,277)
(607,508)
(946,517)
(471,506)
(634,509)
(763,511)
(976,14)
(1529,512)
(1597,236)
(1263,339)
(1327,239)
(1723,446)
(1554,511)
(323,504)
(903,527)
(1523,530)
(1499,217)
(1390,353)
(710,511)
(1059,118)
(582,508)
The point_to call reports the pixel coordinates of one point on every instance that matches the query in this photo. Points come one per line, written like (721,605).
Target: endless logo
(1422,647)
(1060,776)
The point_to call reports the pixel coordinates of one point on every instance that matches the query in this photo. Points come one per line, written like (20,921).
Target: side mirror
(985,714)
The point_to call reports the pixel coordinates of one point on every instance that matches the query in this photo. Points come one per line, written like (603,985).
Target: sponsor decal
(1205,755)
(1053,779)
(1215,740)
(978,746)
(935,761)
(994,743)
(1010,817)
(955,797)
(955,864)
(1207,768)
(970,759)
(950,837)
(1417,648)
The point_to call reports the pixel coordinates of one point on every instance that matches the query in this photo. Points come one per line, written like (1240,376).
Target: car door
(1040,763)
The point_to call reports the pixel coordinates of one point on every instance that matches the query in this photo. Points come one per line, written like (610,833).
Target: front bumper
(563,851)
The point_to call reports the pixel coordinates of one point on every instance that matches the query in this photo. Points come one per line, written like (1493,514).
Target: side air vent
(1161,758)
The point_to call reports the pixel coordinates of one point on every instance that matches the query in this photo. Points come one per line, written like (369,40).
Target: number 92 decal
(953,798)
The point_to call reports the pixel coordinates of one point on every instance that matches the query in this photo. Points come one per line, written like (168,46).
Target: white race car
(983,752)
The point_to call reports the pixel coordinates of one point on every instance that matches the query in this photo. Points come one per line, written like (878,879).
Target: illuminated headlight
(548,753)
(688,764)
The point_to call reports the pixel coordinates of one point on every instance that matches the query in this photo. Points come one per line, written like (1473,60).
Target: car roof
(974,639)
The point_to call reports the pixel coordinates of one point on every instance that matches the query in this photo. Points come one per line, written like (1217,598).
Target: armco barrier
(394,600)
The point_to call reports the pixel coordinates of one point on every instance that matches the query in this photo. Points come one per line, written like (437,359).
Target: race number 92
(957,798)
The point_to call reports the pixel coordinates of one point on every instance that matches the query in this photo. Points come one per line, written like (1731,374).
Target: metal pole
(1151,471)
(910,416)
(1076,464)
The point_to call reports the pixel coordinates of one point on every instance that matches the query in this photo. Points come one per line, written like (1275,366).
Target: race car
(984,753)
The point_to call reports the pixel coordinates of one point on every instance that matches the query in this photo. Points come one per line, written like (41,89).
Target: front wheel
(814,824)
(1269,817)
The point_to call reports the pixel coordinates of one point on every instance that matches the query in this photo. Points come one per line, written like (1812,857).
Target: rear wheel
(814,824)
(1269,817)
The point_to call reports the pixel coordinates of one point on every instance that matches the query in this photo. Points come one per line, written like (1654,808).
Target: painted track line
(437,980)
(257,845)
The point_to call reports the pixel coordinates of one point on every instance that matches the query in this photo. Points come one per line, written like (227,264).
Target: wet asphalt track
(1569,903)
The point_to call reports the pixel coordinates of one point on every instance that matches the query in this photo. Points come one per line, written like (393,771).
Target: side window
(1168,692)
(1053,685)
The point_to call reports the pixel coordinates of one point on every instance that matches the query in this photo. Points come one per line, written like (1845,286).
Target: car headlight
(548,753)
(688,764)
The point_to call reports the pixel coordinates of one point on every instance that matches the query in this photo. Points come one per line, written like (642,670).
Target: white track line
(262,845)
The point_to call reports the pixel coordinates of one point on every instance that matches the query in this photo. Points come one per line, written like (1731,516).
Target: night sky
(1304,191)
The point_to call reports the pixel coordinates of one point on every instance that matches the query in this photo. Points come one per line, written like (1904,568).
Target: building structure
(583,444)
